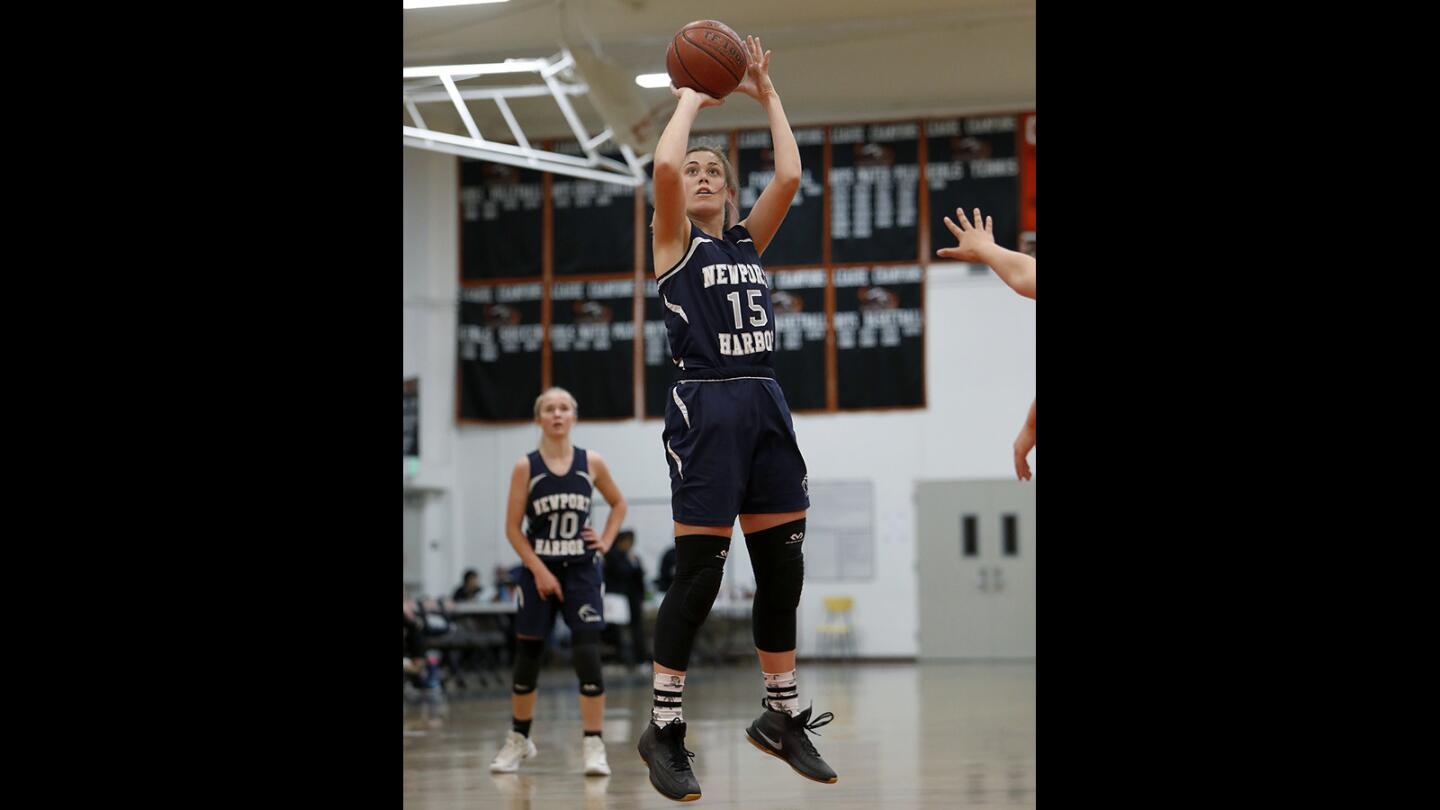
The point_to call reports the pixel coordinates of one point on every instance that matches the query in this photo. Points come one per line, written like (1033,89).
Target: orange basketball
(706,55)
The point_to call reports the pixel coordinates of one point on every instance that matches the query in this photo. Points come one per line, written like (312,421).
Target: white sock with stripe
(781,693)
(668,689)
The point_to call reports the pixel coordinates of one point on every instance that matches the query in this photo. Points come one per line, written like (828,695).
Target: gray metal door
(414,542)
(976,553)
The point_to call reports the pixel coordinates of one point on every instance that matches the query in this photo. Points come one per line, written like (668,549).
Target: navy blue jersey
(557,508)
(717,303)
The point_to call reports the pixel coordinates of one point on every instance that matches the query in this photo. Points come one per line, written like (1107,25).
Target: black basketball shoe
(663,750)
(780,735)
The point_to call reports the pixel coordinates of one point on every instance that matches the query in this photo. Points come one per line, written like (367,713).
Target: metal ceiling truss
(593,166)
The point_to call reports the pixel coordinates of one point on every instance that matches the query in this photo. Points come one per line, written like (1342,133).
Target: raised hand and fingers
(757,69)
(759,57)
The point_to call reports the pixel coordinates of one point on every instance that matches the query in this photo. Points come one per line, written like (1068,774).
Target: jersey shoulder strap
(697,238)
(582,465)
(537,467)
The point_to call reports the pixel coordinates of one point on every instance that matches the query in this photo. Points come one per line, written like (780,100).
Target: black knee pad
(527,664)
(585,654)
(699,568)
(779,564)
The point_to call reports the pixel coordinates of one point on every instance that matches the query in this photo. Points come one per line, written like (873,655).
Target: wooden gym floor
(904,736)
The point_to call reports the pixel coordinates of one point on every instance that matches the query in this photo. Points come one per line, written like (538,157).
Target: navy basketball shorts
(582,581)
(731,447)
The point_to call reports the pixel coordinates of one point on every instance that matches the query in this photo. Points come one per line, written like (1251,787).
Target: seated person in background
(469,590)
(625,575)
(505,584)
(667,571)
(417,664)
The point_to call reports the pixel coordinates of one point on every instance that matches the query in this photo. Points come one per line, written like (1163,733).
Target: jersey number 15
(750,295)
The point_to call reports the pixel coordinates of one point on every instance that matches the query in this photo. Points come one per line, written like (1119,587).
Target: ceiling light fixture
(409,4)
(508,66)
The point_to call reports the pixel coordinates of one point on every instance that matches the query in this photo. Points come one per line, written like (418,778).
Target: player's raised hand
(757,72)
(970,237)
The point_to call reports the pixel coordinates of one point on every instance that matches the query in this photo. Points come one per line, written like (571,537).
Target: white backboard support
(559,79)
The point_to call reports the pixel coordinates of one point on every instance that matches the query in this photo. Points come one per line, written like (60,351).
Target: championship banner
(592,334)
(971,163)
(880,336)
(801,236)
(874,192)
(660,370)
(1027,183)
(594,222)
(798,299)
(500,336)
(501,214)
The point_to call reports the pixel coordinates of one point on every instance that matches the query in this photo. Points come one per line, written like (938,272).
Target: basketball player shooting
(729,438)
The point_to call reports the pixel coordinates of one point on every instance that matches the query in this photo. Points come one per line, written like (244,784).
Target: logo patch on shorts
(805,483)
(795,538)
(588,613)
(722,554)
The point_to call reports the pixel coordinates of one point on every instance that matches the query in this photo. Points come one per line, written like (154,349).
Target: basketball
(708,56)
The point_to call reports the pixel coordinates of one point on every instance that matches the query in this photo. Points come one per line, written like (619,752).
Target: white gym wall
(980,378)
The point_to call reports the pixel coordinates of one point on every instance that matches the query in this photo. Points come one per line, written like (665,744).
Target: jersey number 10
(569,524)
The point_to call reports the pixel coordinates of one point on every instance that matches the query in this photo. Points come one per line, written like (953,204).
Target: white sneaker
(515,749)
(595,763)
